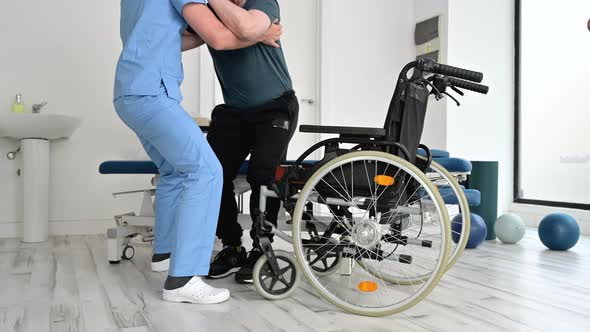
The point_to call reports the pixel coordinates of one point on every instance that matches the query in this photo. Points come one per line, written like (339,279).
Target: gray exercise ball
(510,228)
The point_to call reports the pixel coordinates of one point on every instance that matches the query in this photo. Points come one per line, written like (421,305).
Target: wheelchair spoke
(365,245)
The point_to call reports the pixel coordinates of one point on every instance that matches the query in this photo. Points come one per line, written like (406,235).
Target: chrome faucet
(37,107)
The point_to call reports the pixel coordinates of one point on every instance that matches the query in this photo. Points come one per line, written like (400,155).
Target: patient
(258,119)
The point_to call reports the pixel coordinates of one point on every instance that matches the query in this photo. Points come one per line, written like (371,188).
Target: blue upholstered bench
(453,165)
(148,167)
(435,153)
(473,196)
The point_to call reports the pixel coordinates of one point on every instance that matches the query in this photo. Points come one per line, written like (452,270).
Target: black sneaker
(244,275)
(228,261)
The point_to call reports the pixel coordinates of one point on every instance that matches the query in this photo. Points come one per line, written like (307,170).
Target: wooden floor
(66,284)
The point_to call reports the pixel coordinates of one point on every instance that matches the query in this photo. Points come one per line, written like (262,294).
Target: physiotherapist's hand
(273,35)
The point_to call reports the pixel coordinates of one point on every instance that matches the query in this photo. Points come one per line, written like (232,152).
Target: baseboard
(57,227)
(532,215)
(91,227)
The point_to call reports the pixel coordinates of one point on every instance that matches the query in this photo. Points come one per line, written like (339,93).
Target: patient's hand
(273,35)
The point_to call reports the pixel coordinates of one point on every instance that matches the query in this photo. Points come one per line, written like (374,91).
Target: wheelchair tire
(343,292)
(265,281)
(444,178)
(456,248)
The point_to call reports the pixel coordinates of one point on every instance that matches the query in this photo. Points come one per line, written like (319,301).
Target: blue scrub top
(151,31)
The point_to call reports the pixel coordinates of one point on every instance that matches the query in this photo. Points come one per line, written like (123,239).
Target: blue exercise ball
(477,233)
(510,228)
(559,231)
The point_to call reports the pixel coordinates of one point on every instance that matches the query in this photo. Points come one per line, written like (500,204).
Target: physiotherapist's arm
(211,30)
(248,25)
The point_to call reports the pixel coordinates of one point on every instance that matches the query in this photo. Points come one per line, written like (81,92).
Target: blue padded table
(473,196)
(435,153)
(148,167)
(458,165)
(455,165)
(128,167)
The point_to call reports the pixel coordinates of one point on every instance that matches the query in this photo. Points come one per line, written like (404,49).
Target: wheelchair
(370,221)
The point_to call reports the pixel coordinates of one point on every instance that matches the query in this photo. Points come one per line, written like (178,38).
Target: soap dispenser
(19,105)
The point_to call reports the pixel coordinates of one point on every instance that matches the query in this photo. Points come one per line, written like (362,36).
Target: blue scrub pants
(188,193)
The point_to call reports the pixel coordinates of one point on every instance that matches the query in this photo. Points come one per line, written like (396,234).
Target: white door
(300,44)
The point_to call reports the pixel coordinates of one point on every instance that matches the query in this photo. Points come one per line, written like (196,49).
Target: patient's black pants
(263,133)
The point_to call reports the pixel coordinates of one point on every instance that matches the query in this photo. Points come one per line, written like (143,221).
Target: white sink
(40,126)
(34,132)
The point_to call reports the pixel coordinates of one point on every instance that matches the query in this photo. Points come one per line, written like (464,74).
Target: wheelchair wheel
(323,263)
(275,287)
(387,222)
(453,191)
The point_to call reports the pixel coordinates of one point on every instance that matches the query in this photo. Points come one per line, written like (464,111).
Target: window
(553,103)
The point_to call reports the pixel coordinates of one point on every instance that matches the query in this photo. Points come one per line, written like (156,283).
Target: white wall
(64,52)
(435,125)
(69,60)
(364,46)
(481,37)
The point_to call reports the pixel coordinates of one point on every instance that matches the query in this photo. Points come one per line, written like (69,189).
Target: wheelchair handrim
(443,255)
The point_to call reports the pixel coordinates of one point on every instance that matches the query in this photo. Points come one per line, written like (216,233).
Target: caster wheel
(128,253)
(276,287)
(322,263)
(114,262)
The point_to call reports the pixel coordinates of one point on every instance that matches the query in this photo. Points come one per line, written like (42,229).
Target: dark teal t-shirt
(254,75)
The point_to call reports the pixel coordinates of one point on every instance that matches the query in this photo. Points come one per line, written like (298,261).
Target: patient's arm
(212,31)
(247,25)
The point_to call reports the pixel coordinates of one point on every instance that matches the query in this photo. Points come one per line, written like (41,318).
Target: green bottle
(18,106)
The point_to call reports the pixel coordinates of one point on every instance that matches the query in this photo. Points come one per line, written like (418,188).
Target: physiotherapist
(147,99)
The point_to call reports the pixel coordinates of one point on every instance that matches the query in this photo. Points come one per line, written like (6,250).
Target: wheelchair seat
(346,131)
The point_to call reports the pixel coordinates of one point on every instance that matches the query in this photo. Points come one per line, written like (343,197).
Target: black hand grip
(459,73)
(479,88)
(437,68)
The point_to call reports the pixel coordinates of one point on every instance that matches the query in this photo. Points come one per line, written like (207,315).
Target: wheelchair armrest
(348,131)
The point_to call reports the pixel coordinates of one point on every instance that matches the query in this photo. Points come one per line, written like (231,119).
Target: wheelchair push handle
(462,84)
(438,68)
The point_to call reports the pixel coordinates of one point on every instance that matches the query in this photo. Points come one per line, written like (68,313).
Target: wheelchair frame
(386,139)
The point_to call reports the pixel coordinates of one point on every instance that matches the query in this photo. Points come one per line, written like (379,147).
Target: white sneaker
(196,291)
(161,266)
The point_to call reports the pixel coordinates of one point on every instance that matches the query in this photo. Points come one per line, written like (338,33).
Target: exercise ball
(559,231)
(477,232)
(510,228)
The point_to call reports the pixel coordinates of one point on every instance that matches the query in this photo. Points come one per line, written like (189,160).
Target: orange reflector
(367,286)
(384,180)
